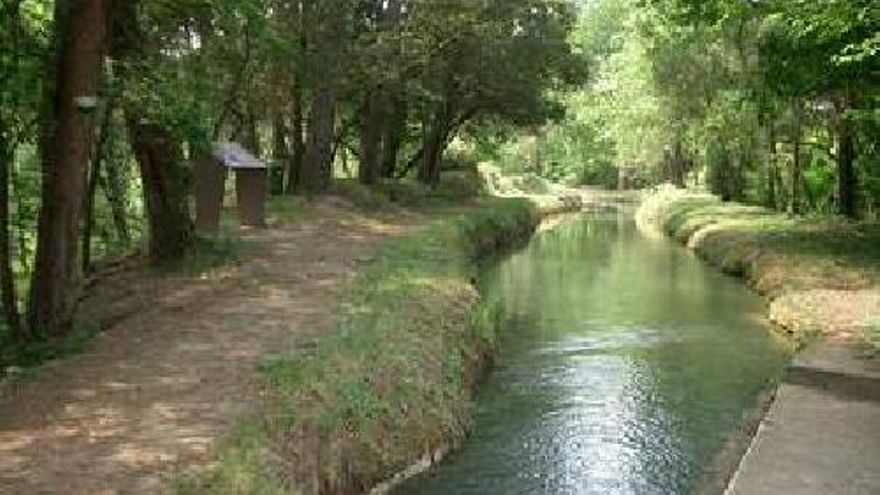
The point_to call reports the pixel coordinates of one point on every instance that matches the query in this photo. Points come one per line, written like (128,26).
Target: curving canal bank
(822,279)
(625,365)
(393,382)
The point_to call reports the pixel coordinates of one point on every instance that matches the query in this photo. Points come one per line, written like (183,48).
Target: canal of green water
(625,365)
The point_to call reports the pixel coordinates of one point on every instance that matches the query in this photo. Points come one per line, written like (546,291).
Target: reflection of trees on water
(624,365)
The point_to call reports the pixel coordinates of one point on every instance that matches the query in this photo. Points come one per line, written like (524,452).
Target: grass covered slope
(822,275)
(394,382)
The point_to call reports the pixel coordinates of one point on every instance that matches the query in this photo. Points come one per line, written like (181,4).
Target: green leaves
(24,41)
(816,47)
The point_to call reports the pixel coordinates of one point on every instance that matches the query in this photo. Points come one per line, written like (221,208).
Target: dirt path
(151,395)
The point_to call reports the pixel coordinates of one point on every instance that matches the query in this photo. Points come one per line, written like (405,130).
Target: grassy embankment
(822,275)
(393,384)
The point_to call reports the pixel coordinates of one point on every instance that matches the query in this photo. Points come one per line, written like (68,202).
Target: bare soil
(153,393)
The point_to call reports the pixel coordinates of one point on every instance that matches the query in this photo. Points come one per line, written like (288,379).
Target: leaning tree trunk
(317,164)
(94,178)
(81,27)
(436,138)
(159,159)
(115,186)
(847,182)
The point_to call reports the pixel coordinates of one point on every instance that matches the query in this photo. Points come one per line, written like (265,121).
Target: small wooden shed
(251,187)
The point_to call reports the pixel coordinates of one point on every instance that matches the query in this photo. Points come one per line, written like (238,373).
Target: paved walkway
(822,433)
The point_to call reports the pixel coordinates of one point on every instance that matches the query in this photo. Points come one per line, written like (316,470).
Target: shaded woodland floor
(149,396)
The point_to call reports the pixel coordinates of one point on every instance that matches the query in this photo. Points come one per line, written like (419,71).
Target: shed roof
(235,156)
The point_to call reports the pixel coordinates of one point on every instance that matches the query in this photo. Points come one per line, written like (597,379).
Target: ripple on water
(624,365)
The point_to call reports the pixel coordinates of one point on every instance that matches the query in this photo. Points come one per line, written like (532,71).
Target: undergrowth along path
(149,397)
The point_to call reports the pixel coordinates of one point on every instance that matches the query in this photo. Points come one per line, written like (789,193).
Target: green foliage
(732,85)
(814,47)
(24,39)
(207,70)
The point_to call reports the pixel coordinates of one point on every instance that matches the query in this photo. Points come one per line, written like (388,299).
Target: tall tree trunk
(18,226)
(159,159)
(159,156)
(847,182)
(434,142)
(280,153)
(797,180)
(343,159)
(280,150)
(395,115)
(794,205)
(94,179)
(781,200)
(771,167)
(679,166)
(81,27)
(297,117)
(129,42)
(317,160)
(298,145)
(392,139)
(7,275)
(8,291)
(371,125)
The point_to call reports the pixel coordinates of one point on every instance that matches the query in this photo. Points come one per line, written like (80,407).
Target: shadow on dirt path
(151,395)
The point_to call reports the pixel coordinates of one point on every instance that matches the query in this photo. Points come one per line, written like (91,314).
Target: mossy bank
(394,383)
(821,275)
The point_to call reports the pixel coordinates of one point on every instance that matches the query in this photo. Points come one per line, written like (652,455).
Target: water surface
(624,366)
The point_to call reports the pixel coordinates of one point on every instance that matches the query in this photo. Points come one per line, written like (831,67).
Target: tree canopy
(772,102)
(107,106)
